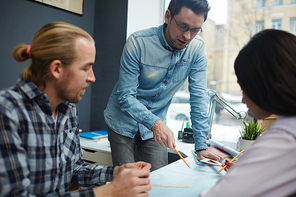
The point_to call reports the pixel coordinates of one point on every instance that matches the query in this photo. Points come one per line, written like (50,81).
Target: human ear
(56,68)
(167,16)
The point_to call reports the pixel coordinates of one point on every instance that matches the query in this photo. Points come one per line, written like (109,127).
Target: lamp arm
(214,97)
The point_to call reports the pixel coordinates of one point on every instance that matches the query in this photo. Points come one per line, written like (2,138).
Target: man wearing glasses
(154,64)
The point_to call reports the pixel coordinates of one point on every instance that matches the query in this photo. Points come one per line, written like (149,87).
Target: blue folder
(94,134)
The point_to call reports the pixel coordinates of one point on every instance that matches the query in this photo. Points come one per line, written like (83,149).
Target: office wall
(105,20)
(143,14)
(121,18)
(19,21)
(110,36)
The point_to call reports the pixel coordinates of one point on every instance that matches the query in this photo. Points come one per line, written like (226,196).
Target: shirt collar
(33,92)
(163,40)
(30,89)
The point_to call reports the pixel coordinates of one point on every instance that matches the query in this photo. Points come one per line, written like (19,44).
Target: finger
(199,155)
(220,158)
(130,165)
(171,143)
(143,165)
(165,140)
(160,143)
(174,144)
(144,188)
(142,173)
(147,166)
(213,156)
(143,194)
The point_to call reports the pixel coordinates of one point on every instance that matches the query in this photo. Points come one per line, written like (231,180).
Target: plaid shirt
(38,154)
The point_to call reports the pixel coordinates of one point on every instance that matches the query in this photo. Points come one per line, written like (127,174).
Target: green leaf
(251,130)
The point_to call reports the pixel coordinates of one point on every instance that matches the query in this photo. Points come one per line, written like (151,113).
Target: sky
(218,12)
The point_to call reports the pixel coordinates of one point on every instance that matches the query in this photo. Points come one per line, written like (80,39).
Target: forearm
(90,175)
(199,109)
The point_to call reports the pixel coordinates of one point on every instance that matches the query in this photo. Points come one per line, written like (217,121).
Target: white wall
(143,14)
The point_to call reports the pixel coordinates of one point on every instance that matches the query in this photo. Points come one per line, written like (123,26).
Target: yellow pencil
(231,161)
(181,157)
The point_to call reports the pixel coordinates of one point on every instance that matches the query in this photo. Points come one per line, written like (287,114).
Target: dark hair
(197,6)
(266,71)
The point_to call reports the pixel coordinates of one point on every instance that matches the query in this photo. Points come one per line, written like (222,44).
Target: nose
(187,35)
(91,76)
(243,100)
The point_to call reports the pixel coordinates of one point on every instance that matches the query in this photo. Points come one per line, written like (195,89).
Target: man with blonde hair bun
(39,138)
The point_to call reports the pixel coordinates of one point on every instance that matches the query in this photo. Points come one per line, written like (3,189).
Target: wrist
(156,125)
(200,150)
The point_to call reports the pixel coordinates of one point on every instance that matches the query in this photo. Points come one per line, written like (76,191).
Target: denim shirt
(151,72)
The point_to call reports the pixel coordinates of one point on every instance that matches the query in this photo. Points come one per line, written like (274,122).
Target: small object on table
(166,185)
(182,157)
(211,162)
(231,161)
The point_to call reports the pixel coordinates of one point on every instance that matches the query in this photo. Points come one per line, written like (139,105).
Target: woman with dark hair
(266,71)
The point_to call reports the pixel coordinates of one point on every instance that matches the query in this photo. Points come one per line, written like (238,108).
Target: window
(260,3)
(277,2)
(223,41)
(276,23)
(292,24)
(259,25)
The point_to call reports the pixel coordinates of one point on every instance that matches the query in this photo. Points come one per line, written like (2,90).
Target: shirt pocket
(70,149)
(181,70)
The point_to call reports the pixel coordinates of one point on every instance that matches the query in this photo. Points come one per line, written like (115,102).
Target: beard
(73,95)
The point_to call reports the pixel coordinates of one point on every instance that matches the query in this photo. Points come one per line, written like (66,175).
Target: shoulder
(285,123)
(10,97)
(142,38)
(11,103)
(197,41)
(145,33)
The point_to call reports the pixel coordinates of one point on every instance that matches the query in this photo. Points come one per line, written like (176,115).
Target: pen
(181,157)
(231,161)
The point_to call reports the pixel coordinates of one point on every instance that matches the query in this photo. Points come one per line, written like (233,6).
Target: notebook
(94,134)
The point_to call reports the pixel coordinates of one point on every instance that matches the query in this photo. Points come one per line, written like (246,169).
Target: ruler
(167,185)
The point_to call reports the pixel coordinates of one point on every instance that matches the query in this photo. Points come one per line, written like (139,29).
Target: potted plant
(249,132)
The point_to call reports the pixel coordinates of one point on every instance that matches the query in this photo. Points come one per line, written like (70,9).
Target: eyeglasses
(184,28)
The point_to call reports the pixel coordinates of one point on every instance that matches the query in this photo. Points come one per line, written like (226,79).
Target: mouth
(83,90)
(85,86)
(182,42)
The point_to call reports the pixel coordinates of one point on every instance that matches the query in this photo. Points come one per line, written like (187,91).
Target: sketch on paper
(70,5)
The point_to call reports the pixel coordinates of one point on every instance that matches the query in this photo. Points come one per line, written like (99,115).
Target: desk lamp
(214,97)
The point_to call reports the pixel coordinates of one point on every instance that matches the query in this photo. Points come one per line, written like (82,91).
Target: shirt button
(165,81)
(158,94)
(152,100)
(170,68)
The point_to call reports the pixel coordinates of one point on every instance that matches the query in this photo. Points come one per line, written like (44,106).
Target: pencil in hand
(181,157)
(231,161)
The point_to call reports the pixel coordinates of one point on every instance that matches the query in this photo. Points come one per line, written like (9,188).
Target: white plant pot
(245,144)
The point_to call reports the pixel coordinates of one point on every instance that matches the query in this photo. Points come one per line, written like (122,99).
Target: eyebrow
(185,24)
